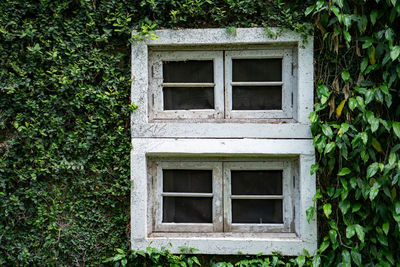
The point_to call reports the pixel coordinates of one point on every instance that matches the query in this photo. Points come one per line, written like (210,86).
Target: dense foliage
(65,131)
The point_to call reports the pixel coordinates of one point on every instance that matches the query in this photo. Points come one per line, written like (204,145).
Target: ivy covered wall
(65,127)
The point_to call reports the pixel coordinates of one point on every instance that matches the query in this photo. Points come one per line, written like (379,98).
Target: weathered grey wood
(170,194)
(216,195)
(188,84)
(255,83)
(256,197)
(287,84)
(209,136)
(155,105)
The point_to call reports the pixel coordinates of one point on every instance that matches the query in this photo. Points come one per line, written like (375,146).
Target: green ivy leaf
(323,90)
(385,227)
(360,102)
(395,52)
(374,124)
(310,213)
(356,207)
(356,257)
(346,259)
(344,127)
(314,168)
(392,158)
(347,36)
(364,137)
(346,74)
(364,64)
(327,209)
(369,96)
(344,206)
(333,236)
(316,261)
(397,206)
(326,129)
(384,89)
(352,103)
(339,3)
(324,245)
(313,117)
(360,232)
(372,169)
(396,128)
(373,16)
(300,260)
(329,147)
(344,171)
(309,10)
(374,191)
(350,231)
(383,240)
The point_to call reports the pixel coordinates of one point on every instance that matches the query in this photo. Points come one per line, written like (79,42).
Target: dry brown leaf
(360,78)
(335,84)
(358,52)
(336,43)
(346,90)
(319,25)
(331,105)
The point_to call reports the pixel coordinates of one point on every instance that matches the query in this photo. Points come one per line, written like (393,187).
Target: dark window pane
(196,181)
(190,71)
(256,182)
(187,209)
(257,211)
(257,70)
(183,98)
(257,97)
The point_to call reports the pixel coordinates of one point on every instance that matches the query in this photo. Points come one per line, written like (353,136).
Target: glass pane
(187,209)
(257,97)
(184,98)
(257,211)
(257,70)
(190,71)
(196,181)
(256,182)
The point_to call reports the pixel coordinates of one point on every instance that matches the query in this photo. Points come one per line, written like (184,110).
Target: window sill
(229,244)
(222,129)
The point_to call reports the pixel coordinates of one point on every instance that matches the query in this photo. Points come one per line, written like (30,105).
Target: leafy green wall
(65,131)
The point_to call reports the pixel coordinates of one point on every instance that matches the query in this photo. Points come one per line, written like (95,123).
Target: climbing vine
(65,130)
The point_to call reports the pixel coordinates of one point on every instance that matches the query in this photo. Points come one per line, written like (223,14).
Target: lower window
(223,195)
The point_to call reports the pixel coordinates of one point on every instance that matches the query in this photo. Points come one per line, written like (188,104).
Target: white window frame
(256,139)
(221,185)
(287,84)
(145,124)
(217,224)
(287,196)
(156,85)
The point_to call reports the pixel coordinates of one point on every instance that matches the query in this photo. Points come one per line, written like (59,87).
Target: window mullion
(227,198)
(218,197)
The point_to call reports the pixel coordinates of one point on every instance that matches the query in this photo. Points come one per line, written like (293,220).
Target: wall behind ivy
(65,130)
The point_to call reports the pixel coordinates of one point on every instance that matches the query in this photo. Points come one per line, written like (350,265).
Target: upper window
(221,84)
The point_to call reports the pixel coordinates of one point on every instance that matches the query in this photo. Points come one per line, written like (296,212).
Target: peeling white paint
(212,139)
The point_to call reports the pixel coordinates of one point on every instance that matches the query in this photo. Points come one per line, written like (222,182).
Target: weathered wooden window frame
(287,84)
(217,224)
(223,138)
(221,204)
(156,85)
(287,196)
(222,63)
